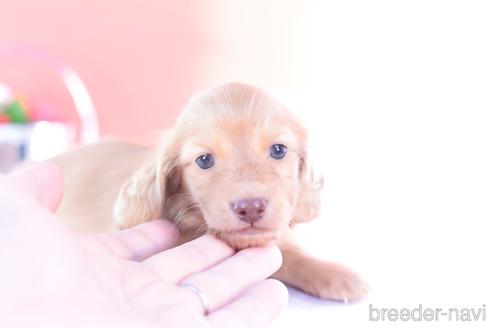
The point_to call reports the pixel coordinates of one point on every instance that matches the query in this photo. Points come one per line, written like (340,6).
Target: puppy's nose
(249,210)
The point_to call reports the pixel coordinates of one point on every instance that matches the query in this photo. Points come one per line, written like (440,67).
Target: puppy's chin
(245,238)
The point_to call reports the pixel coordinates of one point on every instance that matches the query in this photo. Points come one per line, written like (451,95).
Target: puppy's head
(234,165)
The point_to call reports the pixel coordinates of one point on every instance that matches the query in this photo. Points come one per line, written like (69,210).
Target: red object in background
(4,118)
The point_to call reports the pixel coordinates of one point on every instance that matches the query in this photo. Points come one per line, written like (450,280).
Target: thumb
(42,182)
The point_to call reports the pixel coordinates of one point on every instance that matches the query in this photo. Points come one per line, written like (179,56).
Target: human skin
(52,277)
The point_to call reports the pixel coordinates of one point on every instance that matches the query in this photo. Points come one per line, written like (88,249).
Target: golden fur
(237,123)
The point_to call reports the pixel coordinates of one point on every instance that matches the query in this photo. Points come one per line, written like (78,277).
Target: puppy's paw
(334,281)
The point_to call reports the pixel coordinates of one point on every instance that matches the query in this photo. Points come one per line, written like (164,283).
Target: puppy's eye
(278,151)
(205,161)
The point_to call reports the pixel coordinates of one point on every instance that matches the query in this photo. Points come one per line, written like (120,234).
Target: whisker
(189,209)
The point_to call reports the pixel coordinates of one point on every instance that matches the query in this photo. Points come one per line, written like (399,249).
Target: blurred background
(141,60)
(397,96)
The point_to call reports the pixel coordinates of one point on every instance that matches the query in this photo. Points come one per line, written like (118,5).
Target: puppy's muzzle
(249,210)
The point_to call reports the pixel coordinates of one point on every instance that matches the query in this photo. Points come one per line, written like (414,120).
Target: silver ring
(201,296)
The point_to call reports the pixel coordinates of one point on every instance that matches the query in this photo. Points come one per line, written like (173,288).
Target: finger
(42,182)
(223,282)
(139,242)
(256,308)
(194,256)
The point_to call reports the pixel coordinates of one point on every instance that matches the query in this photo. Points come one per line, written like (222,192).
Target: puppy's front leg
(319,278)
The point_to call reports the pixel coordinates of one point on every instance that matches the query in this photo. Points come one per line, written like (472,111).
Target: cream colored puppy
(234,165)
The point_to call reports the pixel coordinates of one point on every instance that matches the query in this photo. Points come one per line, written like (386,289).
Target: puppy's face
(234,166)
(241,167)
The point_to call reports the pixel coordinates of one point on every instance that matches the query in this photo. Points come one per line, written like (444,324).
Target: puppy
(235,165)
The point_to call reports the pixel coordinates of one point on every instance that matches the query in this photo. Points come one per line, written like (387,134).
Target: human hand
(51,277)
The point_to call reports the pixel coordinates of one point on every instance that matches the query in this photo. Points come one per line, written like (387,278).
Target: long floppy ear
(310,186)
(142,198)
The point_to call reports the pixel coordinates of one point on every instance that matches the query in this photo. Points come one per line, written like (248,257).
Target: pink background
(141,60)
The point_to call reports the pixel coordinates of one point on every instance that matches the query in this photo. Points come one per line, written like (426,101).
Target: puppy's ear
(142,198)
(310,185)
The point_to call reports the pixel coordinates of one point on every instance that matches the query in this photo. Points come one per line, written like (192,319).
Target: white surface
(401,113)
